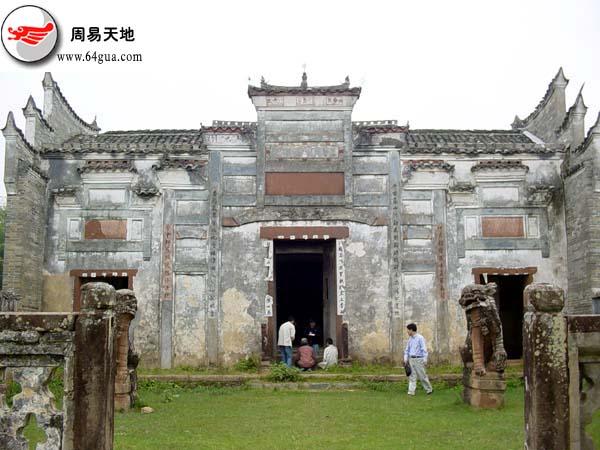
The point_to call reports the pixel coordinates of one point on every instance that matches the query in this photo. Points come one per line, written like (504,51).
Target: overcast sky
(435,64)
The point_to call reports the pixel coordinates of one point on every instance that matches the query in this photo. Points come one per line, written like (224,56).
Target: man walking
(415,355)
(287,333)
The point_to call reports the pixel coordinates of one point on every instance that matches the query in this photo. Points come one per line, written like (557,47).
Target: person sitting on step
(306,355)
(330,356)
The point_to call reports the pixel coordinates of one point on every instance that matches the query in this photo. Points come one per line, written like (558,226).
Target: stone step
(317,378)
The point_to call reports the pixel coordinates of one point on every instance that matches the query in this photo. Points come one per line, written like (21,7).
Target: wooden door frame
(78,274)
(302,233)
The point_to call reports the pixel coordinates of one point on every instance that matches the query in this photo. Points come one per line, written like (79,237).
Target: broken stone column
(124,389)
(94,368)
(483,354)
(545,369)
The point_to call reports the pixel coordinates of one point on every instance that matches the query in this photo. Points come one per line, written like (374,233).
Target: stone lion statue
(484,346)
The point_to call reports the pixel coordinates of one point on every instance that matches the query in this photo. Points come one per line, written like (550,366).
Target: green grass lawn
(381,416)
(355,368)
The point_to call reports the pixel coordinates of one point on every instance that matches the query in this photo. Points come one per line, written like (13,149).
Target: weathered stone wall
(582,202)
(67,249)
(577,189)
(367,293)
(25,233)
(242,293)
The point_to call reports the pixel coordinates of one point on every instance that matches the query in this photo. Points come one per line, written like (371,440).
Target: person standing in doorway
(415,355)
(313,333)
(287,334)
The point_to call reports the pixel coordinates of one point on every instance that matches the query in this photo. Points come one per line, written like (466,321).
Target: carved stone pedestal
(486,391)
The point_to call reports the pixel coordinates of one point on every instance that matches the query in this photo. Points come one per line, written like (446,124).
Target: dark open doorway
(509,300)
(305,286)
(300,290)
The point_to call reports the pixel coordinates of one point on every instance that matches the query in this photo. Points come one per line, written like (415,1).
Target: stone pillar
(126,308)
(545,368)
(94,368)
(477,340)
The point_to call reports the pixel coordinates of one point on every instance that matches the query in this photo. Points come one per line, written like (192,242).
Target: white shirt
(287,333)
(330,356)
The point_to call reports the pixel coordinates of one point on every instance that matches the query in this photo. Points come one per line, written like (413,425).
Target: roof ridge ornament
(304,83)
(558,82)
(577,109)
(10,123)
(579,104)
(559,79)
(593,131)
(49,83)
(11,129)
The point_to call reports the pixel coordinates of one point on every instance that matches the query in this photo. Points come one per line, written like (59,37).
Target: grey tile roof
(499,164)
(379,126)
(474,142)
(467,137)
(134,141)
(141,137)
(107,165)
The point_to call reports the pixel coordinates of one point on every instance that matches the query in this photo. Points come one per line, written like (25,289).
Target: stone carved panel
(269,260)
(167,263)
(500,194)
(440,261)
(395,253)
(334,101)
(35,400)
(312,150)
(369,184)
(213,255)
(107,196)
(74,229)
(341,277)
(304,131)
(304,101)
(239,184)
(275,101)
(268,306)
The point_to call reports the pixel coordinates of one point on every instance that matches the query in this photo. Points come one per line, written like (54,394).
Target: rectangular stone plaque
(370,184)
(110,196)
(74,229)
(500,194)
(496,226)
(136,227)
(304,183)
(105,229)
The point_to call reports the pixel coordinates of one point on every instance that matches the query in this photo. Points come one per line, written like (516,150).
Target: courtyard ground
(375,416)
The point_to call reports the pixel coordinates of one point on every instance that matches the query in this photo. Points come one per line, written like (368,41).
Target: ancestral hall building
(225,230)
